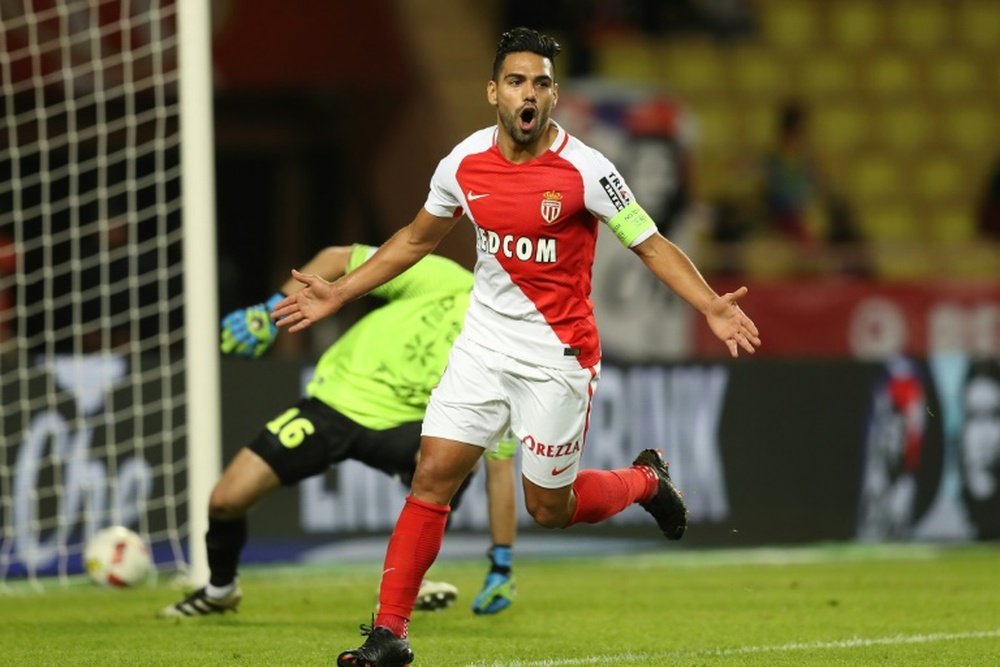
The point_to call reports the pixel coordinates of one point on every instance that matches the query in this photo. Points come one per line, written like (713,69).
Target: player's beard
(511,123)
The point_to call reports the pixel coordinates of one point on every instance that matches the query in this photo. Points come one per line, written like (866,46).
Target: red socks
(603,493)
(414,545)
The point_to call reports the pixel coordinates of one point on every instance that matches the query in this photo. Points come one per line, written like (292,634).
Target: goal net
(94,351)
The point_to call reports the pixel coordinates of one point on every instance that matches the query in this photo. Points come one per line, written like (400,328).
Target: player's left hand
(497,594)
(731,325)
(248,332)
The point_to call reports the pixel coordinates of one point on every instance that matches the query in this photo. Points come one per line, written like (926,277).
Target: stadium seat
(904,128)
(790,25)
(875,177)
(826,74)
(979,26)
(891,222)
(855,25)
(919,25)
(972,126)
(626,60)
(952,225)
(692,67)
(890,73)
(718,130)
(939,177)
(759,73)
(839,128)
(951,74)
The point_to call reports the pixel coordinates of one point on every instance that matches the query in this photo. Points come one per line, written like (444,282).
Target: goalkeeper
(366,402)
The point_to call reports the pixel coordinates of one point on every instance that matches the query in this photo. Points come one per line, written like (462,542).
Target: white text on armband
(629,223)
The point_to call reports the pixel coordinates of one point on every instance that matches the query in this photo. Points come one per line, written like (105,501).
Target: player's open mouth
(527,118)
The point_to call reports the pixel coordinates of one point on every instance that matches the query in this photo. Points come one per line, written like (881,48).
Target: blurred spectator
(988,215)
(787,195)
(792,180)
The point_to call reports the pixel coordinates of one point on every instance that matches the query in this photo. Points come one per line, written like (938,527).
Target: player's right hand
(249,332)
(316,300)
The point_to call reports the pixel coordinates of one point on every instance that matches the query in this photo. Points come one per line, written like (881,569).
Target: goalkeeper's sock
(501,559)
(601,494)
(414,545)
(225,540)
(220,592)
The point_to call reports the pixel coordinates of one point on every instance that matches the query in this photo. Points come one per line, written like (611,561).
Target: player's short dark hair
(517,40)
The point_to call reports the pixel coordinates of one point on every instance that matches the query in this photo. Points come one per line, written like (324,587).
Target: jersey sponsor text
(524,248)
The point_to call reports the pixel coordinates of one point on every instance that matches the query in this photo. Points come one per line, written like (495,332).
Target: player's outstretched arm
(725,318)
(249,332)
(319,298)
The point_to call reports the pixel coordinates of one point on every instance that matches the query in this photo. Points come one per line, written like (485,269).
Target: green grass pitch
(828,605)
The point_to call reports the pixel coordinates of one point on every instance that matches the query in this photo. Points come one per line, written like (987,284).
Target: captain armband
(629,223)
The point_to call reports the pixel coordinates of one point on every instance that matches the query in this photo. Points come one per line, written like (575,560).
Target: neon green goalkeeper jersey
(381,371)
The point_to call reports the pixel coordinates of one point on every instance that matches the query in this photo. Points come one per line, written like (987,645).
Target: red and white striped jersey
(536,230)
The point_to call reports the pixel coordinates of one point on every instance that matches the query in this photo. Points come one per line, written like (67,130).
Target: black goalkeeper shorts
(309,438)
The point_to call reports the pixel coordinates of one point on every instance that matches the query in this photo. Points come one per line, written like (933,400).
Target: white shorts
(483,392)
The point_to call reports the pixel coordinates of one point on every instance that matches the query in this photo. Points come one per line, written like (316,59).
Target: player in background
(528,356)
(365,402)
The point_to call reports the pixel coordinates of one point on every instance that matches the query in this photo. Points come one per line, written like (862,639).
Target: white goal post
(109,372)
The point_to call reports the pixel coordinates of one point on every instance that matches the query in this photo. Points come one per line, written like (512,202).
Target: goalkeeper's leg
(498,589)
(245,481)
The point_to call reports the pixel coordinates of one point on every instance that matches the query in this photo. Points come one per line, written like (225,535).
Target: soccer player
(528,356)
(365,402)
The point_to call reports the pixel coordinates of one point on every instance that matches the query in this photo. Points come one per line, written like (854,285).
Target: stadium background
(849,424)
(854,420)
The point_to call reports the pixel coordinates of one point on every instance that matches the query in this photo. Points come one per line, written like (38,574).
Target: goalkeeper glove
(249,332)
(498,589)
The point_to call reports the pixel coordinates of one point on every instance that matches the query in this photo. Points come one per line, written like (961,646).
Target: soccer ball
(117,557)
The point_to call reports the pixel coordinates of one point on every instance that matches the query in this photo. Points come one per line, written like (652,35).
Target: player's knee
(223,504)
(548,515)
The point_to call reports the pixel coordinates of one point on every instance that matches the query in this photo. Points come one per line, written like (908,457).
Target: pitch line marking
(855,642)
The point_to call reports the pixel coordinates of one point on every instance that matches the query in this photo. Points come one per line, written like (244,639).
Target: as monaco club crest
(551,206)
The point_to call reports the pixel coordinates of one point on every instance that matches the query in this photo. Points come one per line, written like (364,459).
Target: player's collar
(561,138)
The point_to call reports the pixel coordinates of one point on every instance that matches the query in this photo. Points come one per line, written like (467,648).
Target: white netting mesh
(91,327)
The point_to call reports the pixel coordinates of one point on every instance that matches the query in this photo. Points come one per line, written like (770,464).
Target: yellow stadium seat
(919,25)
(952,225)
(626,60)
(890,74)
(759,73)
(891,222)
(840,127)
(718,130)
(791,25)
(875,177)
(972,127)
(939,178)
(904,128)
(693,68)
(825,74)
(951,74)
(855,24)
(979,25)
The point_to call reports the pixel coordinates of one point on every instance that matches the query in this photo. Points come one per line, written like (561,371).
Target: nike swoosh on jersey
(473,197)
(559,471)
